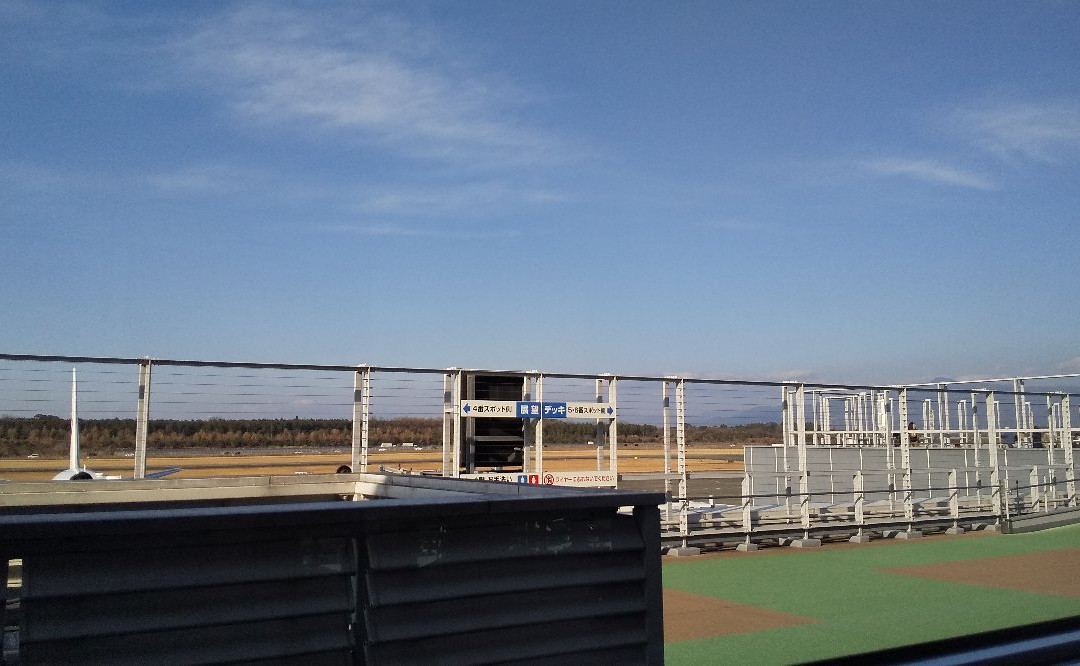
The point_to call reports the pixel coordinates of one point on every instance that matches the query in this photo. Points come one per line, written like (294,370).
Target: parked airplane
(75,470)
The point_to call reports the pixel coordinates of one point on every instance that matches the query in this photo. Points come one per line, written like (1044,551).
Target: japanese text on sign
(489,409)
(589,410)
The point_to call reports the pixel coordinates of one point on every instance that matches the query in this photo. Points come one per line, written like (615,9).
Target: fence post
(665,412)
(361,399)
(1066,443)
(998,481)
(858,486)
(747,516)
(456,466)
(680,443)
(954,503)
(804,501)
(142,421)
(1035,490)
(448,423)
(528,427)
(905,465)
(539,443)
(613,422)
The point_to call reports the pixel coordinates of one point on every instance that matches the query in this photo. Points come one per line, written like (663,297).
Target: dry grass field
(643,458)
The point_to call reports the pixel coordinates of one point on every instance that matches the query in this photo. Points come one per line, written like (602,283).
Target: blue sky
(863,192)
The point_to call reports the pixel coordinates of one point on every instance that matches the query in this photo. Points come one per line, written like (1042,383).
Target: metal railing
(993,422)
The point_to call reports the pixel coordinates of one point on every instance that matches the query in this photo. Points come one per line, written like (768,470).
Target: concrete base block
(805,543)
(955,530)
(745,547)
(992,528)
(685,551)
(909,534)
(860,538)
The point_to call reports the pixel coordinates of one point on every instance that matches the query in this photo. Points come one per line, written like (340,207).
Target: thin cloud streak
(732,225)
(203,179)
(282,67)
(482,198)
(398,230)
(1047,132)
(928,171)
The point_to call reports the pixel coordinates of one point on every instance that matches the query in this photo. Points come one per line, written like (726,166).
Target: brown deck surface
(693,616)
(1047,572)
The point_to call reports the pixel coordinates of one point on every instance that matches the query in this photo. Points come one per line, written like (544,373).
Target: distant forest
(49,435)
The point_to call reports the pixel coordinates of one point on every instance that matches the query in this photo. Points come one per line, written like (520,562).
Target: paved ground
(644,458)
(791,605)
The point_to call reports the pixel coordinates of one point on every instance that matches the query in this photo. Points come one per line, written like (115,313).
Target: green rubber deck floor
(850,600)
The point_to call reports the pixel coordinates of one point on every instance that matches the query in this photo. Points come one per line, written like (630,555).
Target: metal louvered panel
(523,538)
(500,590)
(296,638)
(550,640)
(136,612)
(532,575)
(232,601)
(88,568)
(426,584)
(490,612)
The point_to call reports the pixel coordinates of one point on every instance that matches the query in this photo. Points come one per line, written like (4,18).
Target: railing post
(804,499)
(954,503)
(680,443)
(361,399)
(142,420)
(858,496)
(999,481)
(905,454)
(539,443)
(905,464)
(858,492)
(528,426)
(613,424)
(1067,448)
(747,516)
(1018,410)
(666,419)
(804,502)
(800,415)
(1035,491)
(448,423)
(455,470)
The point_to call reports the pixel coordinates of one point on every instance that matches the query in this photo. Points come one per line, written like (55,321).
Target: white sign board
(589,410)
(490,409)
(587,479)
(512,409)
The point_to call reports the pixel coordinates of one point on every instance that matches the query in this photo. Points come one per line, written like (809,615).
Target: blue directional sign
(531,409)
(553,410)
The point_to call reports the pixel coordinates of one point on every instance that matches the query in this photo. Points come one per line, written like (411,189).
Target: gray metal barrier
(439,571)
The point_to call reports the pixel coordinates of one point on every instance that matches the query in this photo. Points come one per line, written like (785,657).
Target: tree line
(49,435)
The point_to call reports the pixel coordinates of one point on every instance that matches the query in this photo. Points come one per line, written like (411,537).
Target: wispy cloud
(414,231)
(34,178)
(478,198)
(202,179)
(731,224)
(369,76)
(1070,366)
(929,171)
(1047,132)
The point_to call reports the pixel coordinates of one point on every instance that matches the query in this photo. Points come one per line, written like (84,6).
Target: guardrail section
(442,571)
